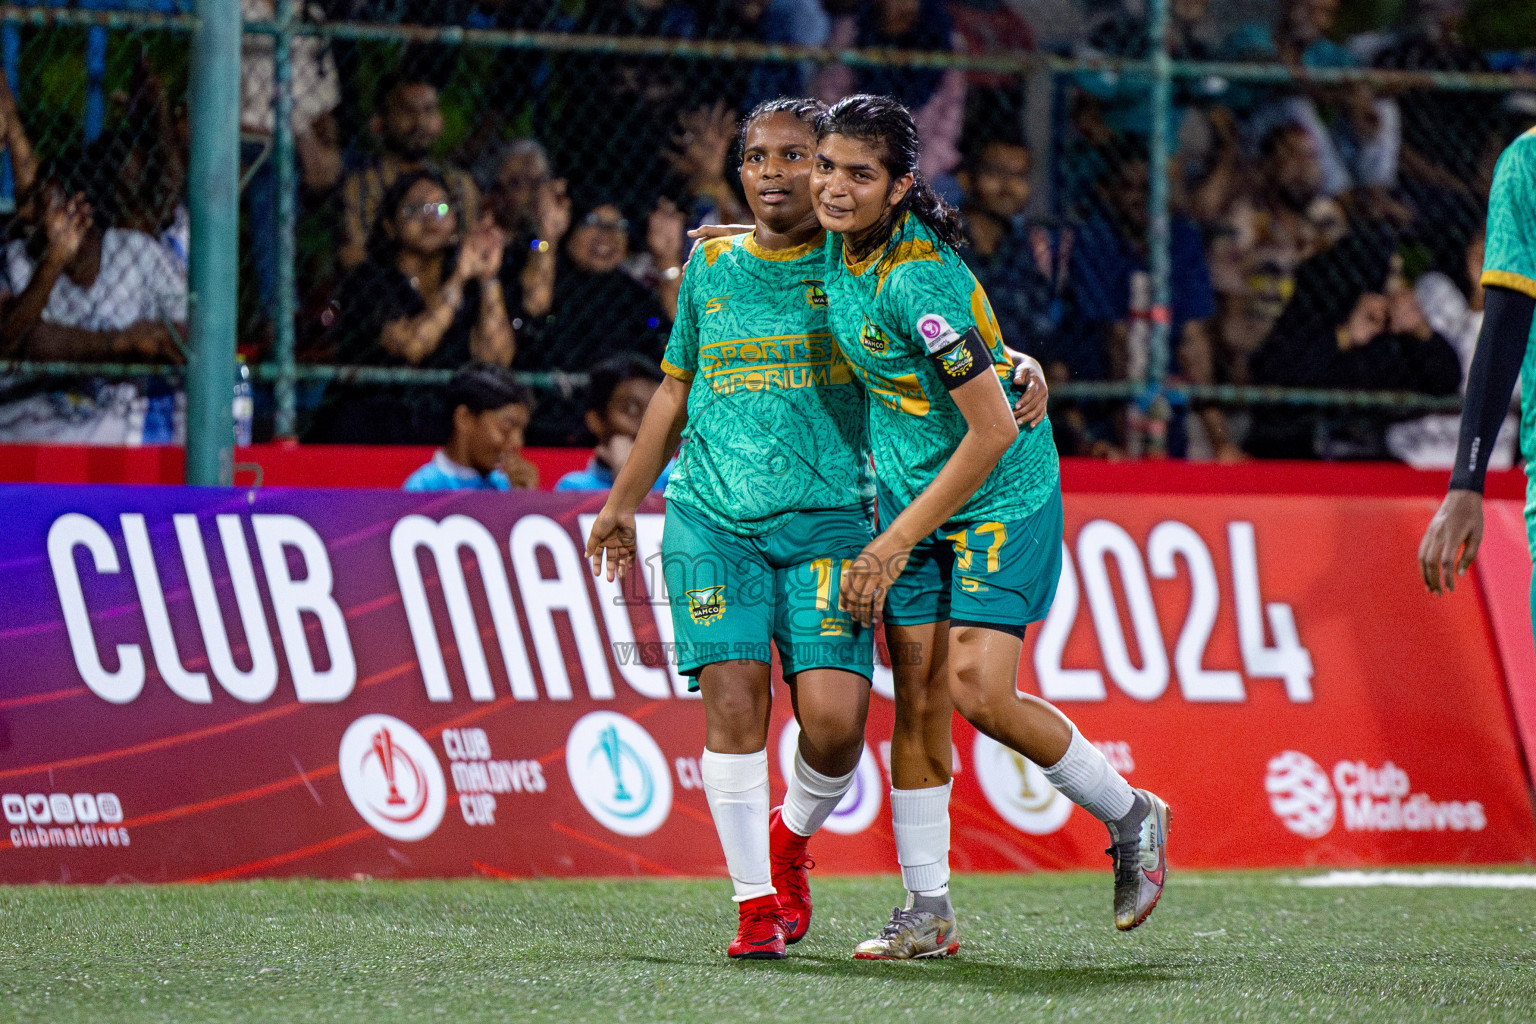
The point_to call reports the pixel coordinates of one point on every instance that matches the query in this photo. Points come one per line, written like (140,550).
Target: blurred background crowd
(525,206)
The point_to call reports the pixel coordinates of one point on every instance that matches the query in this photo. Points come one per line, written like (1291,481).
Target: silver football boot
(911,935)
(1139,850)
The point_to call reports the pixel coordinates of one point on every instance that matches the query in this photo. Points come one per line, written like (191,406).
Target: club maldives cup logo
(392,777)
(619,773)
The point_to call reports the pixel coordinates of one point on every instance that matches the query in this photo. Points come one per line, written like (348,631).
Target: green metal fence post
(213,188)
(1158,262)
(283,153)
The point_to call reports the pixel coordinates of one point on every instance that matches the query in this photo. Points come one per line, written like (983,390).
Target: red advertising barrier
(205,684)
(1504,571)
(288,464)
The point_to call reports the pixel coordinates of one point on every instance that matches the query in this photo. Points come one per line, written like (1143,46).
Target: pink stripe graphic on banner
(283,858)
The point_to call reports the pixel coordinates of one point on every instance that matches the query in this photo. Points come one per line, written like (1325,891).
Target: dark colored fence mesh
(516,188)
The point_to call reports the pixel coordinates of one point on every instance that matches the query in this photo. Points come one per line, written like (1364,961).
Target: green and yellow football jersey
(880,309)
(776,421)
(1510,258)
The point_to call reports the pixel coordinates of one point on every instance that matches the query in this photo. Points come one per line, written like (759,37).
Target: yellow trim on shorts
(1508,279)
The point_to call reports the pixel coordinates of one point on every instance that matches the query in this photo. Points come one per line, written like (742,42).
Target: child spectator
(409,123)
(617,397)
(489,413)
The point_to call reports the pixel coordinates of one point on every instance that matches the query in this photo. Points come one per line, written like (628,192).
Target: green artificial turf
(1221,947)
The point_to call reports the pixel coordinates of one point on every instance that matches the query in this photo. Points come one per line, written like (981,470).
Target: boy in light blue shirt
(618,391)
(490,414)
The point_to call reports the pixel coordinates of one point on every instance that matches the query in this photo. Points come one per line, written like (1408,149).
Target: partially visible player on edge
(771,495)
(969,549)
(1506,349)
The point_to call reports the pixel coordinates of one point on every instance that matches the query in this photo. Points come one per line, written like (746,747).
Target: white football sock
(737,788)
(920,819)
(1085,776)
(812,796)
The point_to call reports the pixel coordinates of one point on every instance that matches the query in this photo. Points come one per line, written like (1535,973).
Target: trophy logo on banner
(392,777)
(1018,790)
(619,773)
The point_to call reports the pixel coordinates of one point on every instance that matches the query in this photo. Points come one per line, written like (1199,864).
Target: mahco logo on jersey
(860,806)
(1017,789)
(392,777)
(874,339)
(619,773)
(706,605)
(1374,799)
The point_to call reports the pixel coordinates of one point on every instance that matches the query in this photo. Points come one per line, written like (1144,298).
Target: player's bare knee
(971,696)
(734,737)
(833,733)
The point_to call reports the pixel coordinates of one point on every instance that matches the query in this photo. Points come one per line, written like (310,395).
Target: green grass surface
(1221,947)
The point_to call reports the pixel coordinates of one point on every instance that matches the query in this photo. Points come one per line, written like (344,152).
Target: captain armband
(966,357)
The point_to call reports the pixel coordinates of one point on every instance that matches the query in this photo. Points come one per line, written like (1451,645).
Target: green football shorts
(999,575)
(731,595)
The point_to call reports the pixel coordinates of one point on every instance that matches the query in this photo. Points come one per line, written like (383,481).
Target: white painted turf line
(1416,880)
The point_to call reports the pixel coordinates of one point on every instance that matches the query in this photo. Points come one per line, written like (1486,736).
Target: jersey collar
(783,255)
(856,269)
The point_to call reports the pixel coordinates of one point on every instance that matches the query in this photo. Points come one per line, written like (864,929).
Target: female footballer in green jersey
(1506,352)
(969,548)
(772,495)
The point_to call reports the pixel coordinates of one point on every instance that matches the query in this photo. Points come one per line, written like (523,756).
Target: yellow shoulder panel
(915,250)
(714,248)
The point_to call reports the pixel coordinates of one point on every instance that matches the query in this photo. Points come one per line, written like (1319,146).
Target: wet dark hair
(883,122)
(481,387)
(606,377)
(382,246)
(804,110)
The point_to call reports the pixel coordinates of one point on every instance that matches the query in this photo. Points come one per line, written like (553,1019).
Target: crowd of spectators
(526,210)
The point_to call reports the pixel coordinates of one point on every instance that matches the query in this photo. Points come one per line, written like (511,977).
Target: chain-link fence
(1284,263)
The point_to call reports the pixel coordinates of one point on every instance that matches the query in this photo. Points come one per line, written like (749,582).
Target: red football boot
(760,936)
(791,876)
